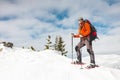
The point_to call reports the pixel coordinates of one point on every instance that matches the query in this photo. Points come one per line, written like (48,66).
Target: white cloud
(34,21)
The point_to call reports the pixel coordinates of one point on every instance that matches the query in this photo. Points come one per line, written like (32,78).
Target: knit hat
(80,18)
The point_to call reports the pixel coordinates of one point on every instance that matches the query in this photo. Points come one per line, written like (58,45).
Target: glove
(80,35)
(72,34)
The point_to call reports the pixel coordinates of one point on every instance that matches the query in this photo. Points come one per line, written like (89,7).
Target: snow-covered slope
(111,61)
(24,64)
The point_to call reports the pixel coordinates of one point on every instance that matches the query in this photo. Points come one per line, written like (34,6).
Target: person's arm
(77,35)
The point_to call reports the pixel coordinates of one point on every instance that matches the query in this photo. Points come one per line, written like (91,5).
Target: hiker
(84,35)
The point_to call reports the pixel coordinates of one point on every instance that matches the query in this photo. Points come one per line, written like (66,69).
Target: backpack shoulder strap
(87,21)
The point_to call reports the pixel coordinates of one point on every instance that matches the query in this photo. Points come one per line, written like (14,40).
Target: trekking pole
(81,67)
(72,45)
(81,56)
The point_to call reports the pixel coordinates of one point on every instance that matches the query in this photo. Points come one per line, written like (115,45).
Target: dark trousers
(88,44)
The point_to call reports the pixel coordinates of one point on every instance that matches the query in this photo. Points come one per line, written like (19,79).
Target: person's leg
(77,49)
(90,51)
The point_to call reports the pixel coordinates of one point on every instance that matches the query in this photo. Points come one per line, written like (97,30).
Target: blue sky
(30,21)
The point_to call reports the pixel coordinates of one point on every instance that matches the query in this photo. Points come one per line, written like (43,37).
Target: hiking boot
(92,65)
(77,62)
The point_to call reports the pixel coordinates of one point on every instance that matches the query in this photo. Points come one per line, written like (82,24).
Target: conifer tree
(56,44)
(61,46)
(48,45)
(32,48)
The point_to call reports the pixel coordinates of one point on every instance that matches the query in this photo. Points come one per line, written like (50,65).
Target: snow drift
(25,64)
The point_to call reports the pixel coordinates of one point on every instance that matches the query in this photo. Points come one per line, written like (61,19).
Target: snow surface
(25,64)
